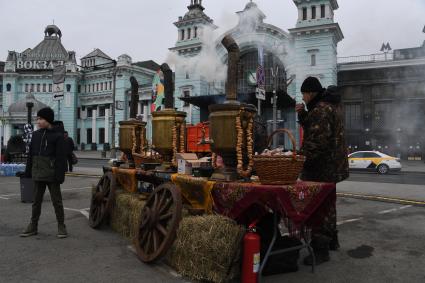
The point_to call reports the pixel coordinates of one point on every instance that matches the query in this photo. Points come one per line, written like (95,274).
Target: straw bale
(207,248)
(126,213)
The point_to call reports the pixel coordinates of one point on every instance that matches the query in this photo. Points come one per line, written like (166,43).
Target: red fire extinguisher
(251,256)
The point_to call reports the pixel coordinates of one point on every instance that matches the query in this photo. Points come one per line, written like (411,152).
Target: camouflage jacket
(324,141)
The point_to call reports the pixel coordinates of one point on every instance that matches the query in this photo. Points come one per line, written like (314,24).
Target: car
(373,161)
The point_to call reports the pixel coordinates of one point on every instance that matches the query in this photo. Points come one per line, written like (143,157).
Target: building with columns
(308,49)
(88,89)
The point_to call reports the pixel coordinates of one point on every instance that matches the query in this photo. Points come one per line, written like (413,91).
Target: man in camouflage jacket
(325,151)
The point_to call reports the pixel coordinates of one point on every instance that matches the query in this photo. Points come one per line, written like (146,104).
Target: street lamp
(113,74)
(2,120)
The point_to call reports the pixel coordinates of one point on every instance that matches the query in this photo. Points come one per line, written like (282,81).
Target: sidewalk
(413,166)
(407,166)
(86,171)
(91,154)
(409,192)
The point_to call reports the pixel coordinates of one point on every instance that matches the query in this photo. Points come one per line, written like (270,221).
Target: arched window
(249,61)
(313,12)
(186,93)
(313,59)
(182,34)
(189,31)
(68,87)
(196,32)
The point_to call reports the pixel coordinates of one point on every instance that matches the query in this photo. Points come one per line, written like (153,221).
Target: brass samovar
(168,126)
(132,133)
(231,125)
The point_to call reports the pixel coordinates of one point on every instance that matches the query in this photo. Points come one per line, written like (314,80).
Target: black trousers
(69,160)
(56,197)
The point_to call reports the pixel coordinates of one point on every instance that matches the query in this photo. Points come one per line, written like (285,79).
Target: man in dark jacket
(69,146)
(325,151)
(46,166)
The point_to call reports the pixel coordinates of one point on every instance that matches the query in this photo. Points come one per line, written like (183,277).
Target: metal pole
(259,107)
(2,132)
(113,151)
(59,110)
(275,105)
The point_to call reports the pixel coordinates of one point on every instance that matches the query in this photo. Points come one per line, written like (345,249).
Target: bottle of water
(13,169)
(9,170)
(6,169)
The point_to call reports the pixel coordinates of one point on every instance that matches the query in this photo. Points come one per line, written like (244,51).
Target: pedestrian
(46,166)
(69,147)
(325,151)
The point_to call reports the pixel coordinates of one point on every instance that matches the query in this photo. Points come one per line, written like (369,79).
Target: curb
(94,158)
(382,199)
(414,172)
(82,175)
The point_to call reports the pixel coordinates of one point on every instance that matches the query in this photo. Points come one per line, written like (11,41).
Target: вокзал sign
(38,61)
(37,65)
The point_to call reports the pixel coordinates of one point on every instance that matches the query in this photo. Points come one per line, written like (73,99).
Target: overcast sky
(144,29)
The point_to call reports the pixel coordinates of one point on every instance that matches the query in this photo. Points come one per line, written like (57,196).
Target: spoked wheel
(159,221)
(102,200)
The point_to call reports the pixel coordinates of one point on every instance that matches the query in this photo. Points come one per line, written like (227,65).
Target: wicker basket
(279,170)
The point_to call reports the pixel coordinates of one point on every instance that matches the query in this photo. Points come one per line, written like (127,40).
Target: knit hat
(311,84)
(47,114)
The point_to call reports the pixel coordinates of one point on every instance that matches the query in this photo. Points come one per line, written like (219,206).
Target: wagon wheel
(102,200)
(159,221)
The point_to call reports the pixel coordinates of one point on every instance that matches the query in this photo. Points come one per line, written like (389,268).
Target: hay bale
(125,215)
(207,248)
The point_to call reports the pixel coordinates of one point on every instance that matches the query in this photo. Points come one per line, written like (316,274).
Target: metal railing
(371,58)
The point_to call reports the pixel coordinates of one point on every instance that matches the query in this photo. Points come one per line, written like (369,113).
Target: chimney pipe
(168,86)
(134,97)
(232,67)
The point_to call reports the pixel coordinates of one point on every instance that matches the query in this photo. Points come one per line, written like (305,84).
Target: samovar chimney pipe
(134,97)
(232,67)
(168,86)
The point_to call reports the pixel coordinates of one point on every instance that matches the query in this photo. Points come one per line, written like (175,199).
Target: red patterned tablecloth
(304,203)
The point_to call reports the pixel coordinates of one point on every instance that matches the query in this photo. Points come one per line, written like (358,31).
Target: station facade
(308,49)
(88,89)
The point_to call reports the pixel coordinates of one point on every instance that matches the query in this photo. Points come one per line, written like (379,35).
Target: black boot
(320,245)
(30,231)
(62,233)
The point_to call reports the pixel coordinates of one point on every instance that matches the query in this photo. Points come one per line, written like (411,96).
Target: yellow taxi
(373,161)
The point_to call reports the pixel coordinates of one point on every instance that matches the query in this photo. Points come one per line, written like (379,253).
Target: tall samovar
(231,125)
(168,126)
(132,133)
